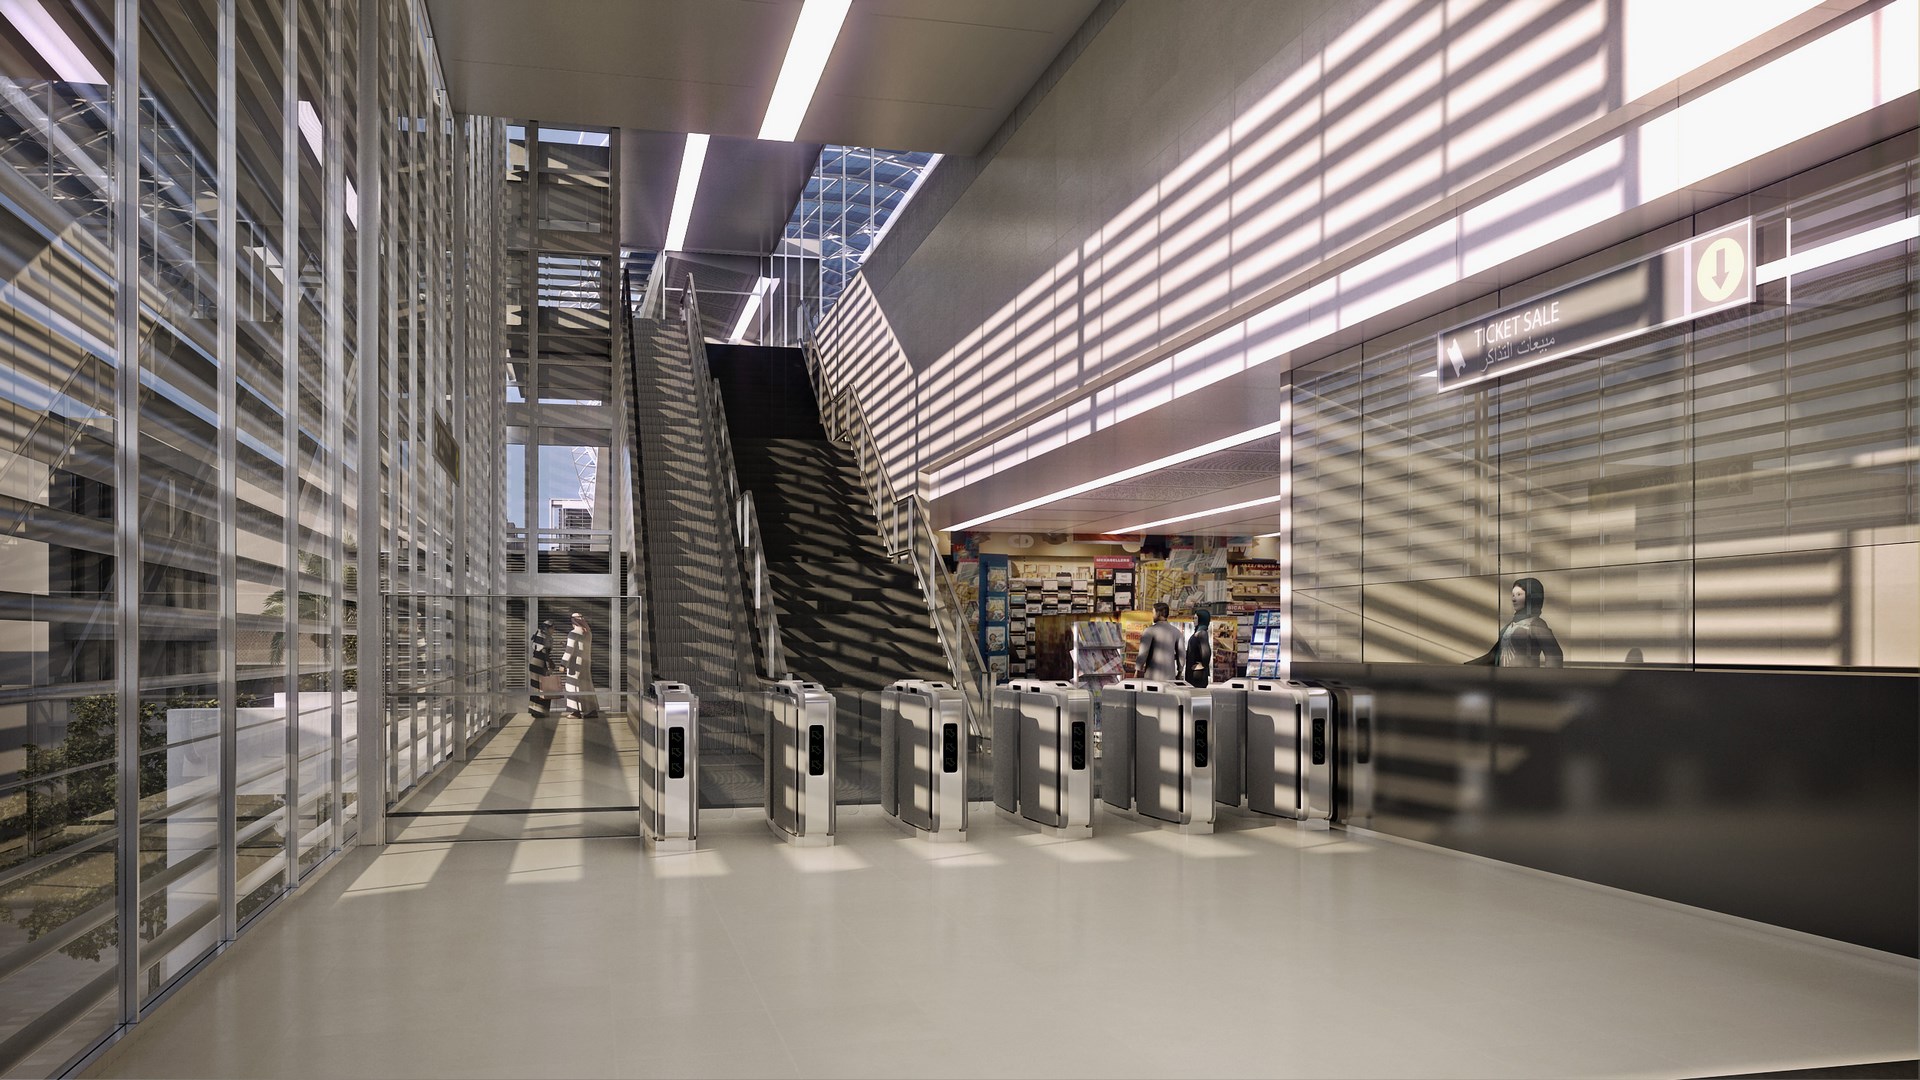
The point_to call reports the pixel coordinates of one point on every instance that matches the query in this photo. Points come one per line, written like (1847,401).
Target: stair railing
(909,536)
(629,388)
(748,547)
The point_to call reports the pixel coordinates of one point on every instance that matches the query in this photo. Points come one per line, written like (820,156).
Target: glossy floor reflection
(1257,951)
(553,777)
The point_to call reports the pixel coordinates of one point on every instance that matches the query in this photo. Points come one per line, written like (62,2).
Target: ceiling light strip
(813,39)
(749,309)
(1799,262)
(694,160)
(1156,464)
(1249,504)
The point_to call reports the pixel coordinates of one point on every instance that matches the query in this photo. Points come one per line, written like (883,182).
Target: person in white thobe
(576,659)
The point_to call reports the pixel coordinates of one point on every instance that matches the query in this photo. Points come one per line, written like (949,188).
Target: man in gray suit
(1159,649)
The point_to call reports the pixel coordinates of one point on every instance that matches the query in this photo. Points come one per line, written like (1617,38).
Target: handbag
(553,684)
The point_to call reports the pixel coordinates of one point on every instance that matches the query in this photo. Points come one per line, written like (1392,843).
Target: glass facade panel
(60,824)
(266,688)
(180,633)
(1738,490)
(316,565)
(181,791)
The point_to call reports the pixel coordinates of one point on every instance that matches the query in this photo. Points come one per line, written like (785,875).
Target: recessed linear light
(813,38)
(1188,454)
(691,163)
(1844,248)
(750,308)
(1250,503)
(51,42)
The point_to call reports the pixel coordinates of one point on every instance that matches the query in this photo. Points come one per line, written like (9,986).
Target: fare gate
(1043,754)
(1274,746)
(667,729)
(1157,754)
(923,757)
(1350,726)
(799,762)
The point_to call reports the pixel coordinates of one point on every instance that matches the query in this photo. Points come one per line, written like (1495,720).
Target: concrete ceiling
(931,75)
(747,191)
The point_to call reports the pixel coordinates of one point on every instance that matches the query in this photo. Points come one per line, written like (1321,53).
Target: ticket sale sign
(1711,272)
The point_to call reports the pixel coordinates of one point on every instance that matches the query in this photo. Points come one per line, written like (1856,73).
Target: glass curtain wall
(1737,491)
(198,383)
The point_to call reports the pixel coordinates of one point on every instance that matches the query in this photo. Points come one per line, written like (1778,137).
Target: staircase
(850,619)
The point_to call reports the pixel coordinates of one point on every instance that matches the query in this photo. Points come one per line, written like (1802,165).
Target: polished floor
(557,776)
(1257,951)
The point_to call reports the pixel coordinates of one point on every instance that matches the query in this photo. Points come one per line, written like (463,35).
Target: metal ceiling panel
(747,191)
(662,65)
(905,75)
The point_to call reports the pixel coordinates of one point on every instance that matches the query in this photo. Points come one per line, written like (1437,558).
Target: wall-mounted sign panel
(1709,273)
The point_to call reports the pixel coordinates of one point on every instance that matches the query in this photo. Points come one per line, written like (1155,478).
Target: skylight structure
(844,211)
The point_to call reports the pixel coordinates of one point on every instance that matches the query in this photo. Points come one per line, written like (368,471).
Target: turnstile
(1156,757)
(1043,754)
(1350,726)
(667,729)
(923,757)
(1274,748)
(799,762)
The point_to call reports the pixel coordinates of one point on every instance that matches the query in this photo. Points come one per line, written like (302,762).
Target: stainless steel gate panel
(890,753)
(1007,748)
(1173,754)
(1118,704)
(1043,757)
(1316,754)
(800,762)
(1230,774)
(925,722)
(1275,721)
(668,736)
(1354,753)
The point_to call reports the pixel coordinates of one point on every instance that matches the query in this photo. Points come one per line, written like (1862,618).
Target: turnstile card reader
(667,730)
(799,762)
(1043,754)
(923,758)
(1157,758)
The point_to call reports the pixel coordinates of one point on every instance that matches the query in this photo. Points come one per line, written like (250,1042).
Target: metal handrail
(631,383)
(77,431)
(748,549)
(905,533)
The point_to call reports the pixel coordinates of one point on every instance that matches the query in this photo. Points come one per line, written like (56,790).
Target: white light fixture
(691,163)
(813,38)
(1202,513)
(1897,232)
(750,308)
(1143,469)
(51,42)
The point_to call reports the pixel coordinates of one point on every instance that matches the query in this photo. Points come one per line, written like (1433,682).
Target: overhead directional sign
(1709,273)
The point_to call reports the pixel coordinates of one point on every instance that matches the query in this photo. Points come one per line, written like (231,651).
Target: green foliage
(69,807)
